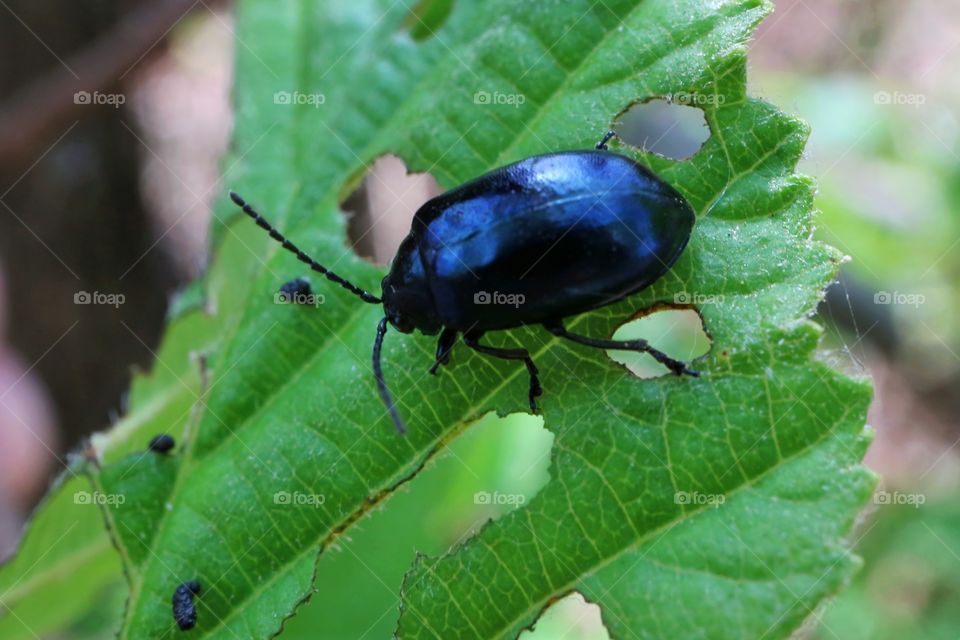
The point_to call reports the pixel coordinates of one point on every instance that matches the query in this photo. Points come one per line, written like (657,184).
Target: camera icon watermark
(97,98)
(98,498)
(897,98)
(98,298)
(896,297)
(695,99)
(497,498)
(698,499)
(299,297)
(899,498)
(291,98)
(496,298)
(693,298)
(498,98)
(298,499)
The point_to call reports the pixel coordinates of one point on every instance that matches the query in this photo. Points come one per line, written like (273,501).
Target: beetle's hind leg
(448,338)
(471,340)
(676,366)
(602,145)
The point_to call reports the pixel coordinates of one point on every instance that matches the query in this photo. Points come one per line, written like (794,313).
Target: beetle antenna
(381,383)
(301,256)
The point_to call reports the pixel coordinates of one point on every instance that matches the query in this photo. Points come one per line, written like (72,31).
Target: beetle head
(407,300)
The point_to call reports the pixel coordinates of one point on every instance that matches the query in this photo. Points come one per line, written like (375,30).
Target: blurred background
(113,116)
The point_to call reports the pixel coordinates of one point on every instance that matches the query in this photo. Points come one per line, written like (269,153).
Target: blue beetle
(532,242)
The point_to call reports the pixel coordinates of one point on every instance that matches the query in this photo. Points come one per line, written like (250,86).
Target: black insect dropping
(161,443)
(184,609)
(295,291)
(533,242)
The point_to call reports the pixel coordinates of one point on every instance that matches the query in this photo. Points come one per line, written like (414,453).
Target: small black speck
(161,443)
(296,290)
(184,611)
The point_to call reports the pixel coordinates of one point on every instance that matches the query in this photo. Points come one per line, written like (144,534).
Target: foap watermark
(299,297)
(898,98)
(299,98)
(695,99)
(485,497)
(99,498)
(99,298)
(897,497)
(497,298)
(298,499)
(697,498)
(897,297)
(97,98)
(498,98)
(687,297)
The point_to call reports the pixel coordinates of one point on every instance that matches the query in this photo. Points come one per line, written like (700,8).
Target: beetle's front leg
(471,340)
(448,338)
(642,346)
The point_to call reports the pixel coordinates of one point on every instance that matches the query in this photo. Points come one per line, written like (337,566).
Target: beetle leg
(471,340)
(602,145)
(676,366)
(448,337)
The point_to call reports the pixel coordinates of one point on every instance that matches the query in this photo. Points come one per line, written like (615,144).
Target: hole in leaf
(571,618)
(677,332)
(380,210)
(431,513)
(426,18)
(664,127)
(521,476)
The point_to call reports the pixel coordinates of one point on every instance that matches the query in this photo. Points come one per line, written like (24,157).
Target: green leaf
(713,507)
